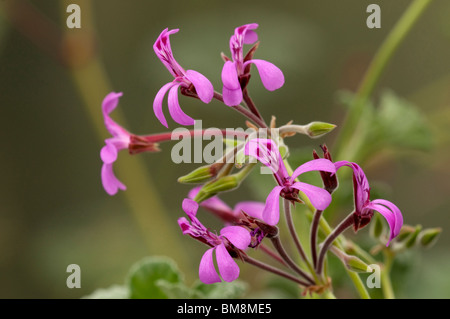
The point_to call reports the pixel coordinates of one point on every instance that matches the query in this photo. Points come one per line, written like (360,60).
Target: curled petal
(203,86)
(184,225)
(271,213)
(391,213)
(254,209)
(319,197)
(271,76)
(110,182)
(237,235)
(157,103)
(175,110)
(190,207)
(110,102)
(320,164)
(228,268)
(207,272)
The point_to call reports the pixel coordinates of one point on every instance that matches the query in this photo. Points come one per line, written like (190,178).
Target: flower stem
(251,105)
(346,223)
(386,284)
(352,122)
(293,233)
(280,249)
(249,115)
(313,234)
(274,270)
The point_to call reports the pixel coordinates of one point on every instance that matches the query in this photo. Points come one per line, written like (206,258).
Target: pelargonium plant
(251,225)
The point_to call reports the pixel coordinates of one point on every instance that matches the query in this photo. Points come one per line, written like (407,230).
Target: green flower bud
(201,174)
(429,236)
(412,239)
(222,184)
(317,129)
(353,263)
(377,227)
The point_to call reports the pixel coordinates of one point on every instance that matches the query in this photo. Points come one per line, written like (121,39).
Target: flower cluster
(249,224)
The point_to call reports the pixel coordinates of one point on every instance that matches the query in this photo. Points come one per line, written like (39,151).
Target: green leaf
(143,276)
(221,290)
(175,290)
(401,124)
(113,292)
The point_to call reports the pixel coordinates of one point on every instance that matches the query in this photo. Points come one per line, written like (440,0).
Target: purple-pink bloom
(266,151)
(364,207)
(120,140)
(271,76)
(183,79)
(231,239)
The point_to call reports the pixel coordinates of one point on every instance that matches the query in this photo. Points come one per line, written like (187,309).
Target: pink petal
(266,151)
(203,86)
(254,209)
(108,153)
(228,268)
(232,97)
(190,207)
(398,217)
(110,102)
(157,103)
(110,182)
(319,197)
(237,235)
(388,215)
(207,272)
(229,76)
(271,76)
(250,36)
(175,110)
(271,213)
(320,164)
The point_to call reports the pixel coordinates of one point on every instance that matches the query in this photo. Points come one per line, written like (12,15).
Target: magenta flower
(232,239)
(183,79)
(266,151)
(120,140)
(271,76)
(364,207)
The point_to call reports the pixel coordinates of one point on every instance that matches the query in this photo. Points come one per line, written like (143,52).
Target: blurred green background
(53,209)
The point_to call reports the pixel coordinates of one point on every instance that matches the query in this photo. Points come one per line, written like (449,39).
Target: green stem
(386,284)
(352,124)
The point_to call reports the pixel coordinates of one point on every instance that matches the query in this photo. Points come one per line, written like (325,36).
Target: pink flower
(189,79)
(120,140)
(364,207)
(271,76)
(266,151)
(231,239)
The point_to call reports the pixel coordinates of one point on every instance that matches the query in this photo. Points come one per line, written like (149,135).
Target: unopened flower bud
(317,129)
(412,239)
(429,236)
(353,263)
(201,174)
(330,181)
(377,227)
(222,184)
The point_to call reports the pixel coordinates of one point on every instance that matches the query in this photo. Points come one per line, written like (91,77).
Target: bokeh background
(53,209)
